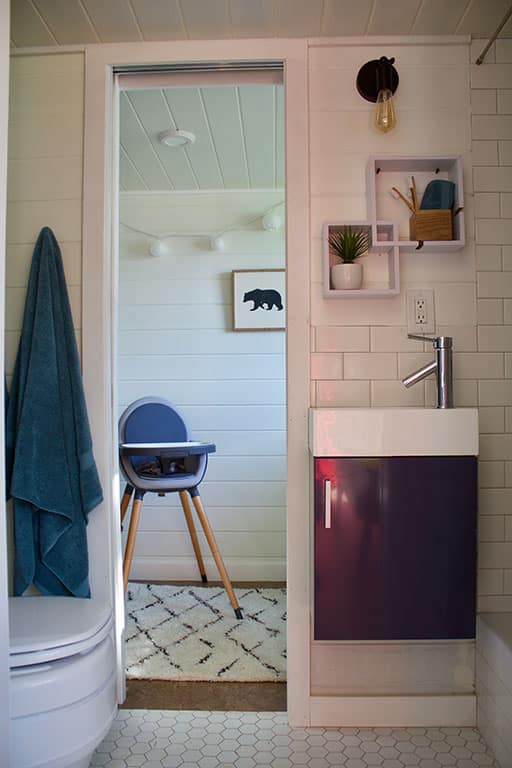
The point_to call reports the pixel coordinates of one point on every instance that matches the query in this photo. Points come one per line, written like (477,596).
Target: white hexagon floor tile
(168,739)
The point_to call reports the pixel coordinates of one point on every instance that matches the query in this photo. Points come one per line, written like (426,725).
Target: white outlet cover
(427,294)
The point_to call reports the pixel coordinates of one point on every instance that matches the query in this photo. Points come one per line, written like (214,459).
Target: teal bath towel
(51,472)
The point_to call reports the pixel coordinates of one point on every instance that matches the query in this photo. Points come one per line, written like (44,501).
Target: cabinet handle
(327,504)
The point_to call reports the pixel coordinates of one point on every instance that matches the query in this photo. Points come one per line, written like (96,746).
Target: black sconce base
(375,75)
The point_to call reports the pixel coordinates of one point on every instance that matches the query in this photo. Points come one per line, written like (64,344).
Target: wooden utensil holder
(431,225)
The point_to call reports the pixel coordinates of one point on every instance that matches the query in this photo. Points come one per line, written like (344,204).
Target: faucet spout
(420,374)
(442,366)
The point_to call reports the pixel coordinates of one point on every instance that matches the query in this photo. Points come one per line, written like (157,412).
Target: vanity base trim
(393,711)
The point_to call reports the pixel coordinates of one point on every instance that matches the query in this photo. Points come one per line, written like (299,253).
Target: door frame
(98,331)
(4,580)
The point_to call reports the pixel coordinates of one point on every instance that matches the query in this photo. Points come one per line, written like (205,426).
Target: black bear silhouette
(264,298)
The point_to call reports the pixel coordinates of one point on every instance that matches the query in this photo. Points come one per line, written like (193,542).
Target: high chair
(157,456)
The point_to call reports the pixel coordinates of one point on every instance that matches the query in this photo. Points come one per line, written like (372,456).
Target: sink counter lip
(393,431)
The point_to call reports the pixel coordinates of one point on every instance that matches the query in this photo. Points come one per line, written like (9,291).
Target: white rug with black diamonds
(191,633)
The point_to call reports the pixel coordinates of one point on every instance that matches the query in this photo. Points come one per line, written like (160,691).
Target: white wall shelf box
(381,267)
(383,173)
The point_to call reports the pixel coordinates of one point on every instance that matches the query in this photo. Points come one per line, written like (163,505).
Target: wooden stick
(414,194)
(493,38)
(216,554)
(405,200)
(193,534)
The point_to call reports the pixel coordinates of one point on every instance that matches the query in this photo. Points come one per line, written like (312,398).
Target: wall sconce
(377,80)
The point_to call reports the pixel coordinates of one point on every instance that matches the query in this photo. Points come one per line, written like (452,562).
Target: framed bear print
(259,300)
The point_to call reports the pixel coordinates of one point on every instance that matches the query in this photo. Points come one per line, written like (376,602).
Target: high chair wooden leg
(196,499)
(132,534)
(126,500)
(193,535)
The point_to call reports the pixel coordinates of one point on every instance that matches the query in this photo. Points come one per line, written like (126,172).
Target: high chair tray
(167,449)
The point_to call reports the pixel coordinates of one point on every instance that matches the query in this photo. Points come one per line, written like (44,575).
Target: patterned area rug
(191,633)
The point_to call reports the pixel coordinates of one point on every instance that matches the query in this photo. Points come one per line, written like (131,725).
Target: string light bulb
(158,246)
(158,249)
(271,221)
(217,243)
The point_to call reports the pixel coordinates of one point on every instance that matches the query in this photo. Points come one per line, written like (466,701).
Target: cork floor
(162,694)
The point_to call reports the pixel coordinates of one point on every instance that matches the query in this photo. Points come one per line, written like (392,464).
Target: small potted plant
(348,244)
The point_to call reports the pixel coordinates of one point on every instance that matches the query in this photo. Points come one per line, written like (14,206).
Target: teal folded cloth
(50,468)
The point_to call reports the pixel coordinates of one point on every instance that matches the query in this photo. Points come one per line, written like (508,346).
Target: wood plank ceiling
(239,138)
(239,128)
(64,22)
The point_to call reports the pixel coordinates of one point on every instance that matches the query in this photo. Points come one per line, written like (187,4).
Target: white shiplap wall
(44,185)
(176,341)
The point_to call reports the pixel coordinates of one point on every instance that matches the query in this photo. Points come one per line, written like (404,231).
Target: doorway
(195,220)
(99,295)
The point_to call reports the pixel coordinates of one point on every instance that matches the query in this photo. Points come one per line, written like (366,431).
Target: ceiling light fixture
(377,80)
(176,138)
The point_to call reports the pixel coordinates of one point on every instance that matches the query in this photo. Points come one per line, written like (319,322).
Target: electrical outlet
(420,311)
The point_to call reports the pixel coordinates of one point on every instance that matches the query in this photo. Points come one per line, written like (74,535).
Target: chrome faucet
(441,366)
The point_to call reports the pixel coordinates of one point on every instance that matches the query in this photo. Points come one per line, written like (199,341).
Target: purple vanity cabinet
(395,548)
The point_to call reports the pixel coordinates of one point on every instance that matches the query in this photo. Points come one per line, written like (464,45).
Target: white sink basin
(393,431)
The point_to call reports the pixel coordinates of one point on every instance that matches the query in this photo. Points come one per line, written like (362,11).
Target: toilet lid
(43,629)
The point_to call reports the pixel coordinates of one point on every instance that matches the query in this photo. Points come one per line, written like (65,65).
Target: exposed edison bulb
(385,116)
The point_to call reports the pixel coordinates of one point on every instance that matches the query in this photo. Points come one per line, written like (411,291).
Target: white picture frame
(259,299)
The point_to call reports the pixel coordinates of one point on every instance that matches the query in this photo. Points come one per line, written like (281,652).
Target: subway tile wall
(494,683)
(491,107)
(360,347)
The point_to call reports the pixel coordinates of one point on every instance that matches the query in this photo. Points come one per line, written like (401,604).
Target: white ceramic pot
(347,277)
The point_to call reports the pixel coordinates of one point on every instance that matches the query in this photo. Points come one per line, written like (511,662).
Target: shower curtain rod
(493,38)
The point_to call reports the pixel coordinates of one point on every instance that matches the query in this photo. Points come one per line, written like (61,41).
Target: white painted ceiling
(239,128)
(64,22)
(239,138)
